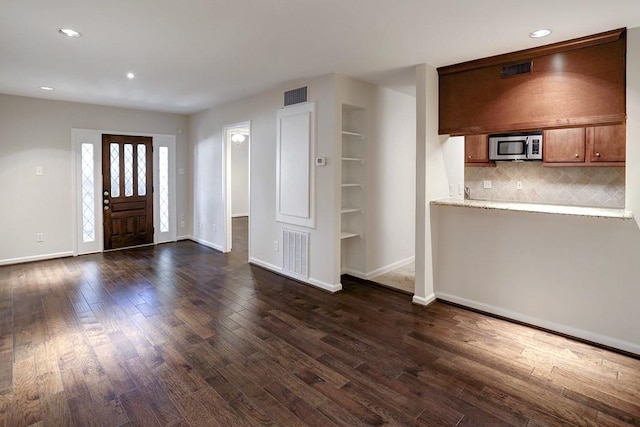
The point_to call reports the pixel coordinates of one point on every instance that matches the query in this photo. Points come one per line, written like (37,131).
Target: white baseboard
(387,268)
(326,286)
(313,282)
(44,257)
(557,327)
(206,243)
(239,215)
(424,301)
(185,237)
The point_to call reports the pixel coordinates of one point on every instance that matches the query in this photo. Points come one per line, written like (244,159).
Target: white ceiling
(190,55)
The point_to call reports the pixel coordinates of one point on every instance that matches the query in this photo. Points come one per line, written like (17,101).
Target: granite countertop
(537,208)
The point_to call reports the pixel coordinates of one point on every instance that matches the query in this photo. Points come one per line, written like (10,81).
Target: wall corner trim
(206,243)
(423,301)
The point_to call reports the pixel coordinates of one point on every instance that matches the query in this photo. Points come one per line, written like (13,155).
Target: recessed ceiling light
(70,33)
(539,33)
(46,88)
(131,76)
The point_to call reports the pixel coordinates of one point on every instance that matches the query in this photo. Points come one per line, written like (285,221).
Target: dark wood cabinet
(607,143)
(585,146)
(476,150)
(575,83)
(564,145)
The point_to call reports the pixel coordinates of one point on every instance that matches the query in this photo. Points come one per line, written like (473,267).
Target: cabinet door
(476,149)
(563,145)
(607,143)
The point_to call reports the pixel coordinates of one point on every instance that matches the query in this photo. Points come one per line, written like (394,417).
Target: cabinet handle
(597,154)
(469,157)
(577,155)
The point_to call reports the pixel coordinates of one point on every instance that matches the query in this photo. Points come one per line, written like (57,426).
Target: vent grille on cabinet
(517,69)
(295,248)
(296,96)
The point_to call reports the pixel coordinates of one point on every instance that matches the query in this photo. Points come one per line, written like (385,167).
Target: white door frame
(226,184)
(94,137)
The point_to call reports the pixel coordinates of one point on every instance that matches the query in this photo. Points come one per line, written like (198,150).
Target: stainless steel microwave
(516,146)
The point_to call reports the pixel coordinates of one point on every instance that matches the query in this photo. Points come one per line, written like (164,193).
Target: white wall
(391,172)
(205,130)
(574,275)
(37,132)
(240,178)
(432,178)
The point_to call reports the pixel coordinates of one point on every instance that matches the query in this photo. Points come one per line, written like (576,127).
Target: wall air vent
(295,249)
(517,69)
(296,96)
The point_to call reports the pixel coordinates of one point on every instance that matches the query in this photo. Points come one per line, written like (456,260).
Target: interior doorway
(237,149)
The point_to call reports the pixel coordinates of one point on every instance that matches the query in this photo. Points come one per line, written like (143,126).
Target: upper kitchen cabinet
(476,150)
(607,143)
(574,83)
(585,146)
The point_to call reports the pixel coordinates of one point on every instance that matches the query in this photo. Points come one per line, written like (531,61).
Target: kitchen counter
(536,208)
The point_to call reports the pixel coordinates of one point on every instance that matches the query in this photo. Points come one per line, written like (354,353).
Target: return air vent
(296,96)
(517,69)
(295,248)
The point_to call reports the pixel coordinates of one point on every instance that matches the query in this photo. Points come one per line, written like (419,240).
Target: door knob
(106,202)
(597,154)
(106,193)
(106,208)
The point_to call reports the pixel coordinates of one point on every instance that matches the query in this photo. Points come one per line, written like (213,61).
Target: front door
(127,190)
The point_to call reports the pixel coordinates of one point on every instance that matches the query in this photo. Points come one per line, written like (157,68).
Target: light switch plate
(39,171)
(486,184)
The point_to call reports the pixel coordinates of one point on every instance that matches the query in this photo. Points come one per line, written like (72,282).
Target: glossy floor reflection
(182,335)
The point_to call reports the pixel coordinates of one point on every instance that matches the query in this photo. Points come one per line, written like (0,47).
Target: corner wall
(205,144)
(37,132)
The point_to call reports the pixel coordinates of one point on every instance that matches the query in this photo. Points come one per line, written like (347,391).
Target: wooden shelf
(350,210)
(347,133)
(348,235)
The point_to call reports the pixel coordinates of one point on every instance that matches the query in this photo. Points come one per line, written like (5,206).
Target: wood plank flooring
(180,335)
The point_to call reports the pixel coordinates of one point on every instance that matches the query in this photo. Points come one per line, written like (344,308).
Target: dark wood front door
(127,190)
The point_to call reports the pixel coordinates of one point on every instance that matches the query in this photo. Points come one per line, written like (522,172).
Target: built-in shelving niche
(353,190)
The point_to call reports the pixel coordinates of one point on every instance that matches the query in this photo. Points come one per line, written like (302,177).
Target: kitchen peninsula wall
(602,187)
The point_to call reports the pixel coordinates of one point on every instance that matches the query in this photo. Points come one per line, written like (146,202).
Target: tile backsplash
(574,186)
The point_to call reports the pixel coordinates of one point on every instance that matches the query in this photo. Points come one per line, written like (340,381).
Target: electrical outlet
(450,190)
(275,245)
(519,185)
(486,184)
(39,237)
(181,224)
(460,189)
(39,171)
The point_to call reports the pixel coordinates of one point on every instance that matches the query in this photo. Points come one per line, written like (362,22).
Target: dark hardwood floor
(180,335)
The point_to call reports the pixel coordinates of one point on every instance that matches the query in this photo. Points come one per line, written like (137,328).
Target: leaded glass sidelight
(115,169)
(88,194)
(163,155)
(142,170)
(128,170)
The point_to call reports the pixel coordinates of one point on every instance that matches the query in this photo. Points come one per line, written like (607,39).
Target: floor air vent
(295,248)
(296,96)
